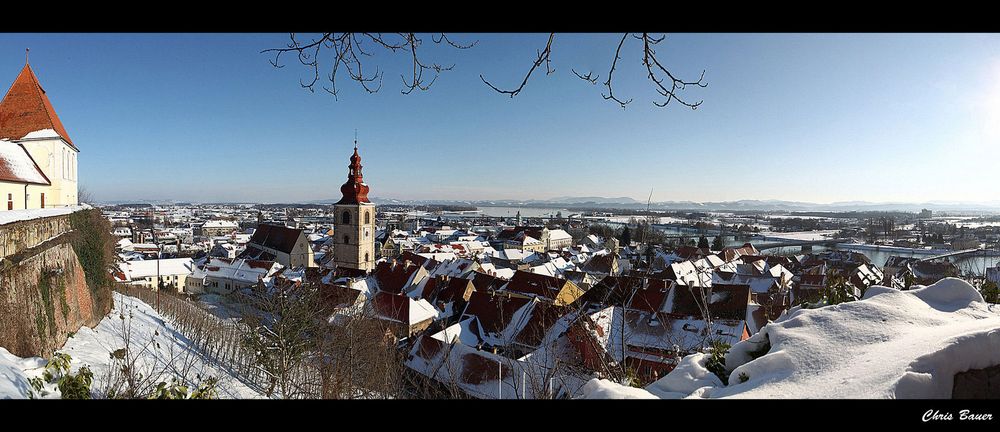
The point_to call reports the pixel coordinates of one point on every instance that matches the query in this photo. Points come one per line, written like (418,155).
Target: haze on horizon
(814,118)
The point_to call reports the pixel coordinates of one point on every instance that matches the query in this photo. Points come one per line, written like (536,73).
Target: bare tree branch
(349,50)
(649,60)
(588,77)
(614,63)
(543,56)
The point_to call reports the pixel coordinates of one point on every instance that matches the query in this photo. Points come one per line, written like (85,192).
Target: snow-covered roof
(559,234)
(249,271)
(16,165)
(890,344)
(41,134)
(150,268)
(220,224)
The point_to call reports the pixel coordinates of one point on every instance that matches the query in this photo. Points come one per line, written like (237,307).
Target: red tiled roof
(543,316)
(601,264)
(333,296)
(684,303)
(392,276)
(410,256)
(454,290)
(650,298)
(484,282)
(254,252)
(687,252)
(428,347)
(392,306)
(613,290)
(533,283)
(731,301)
(25,109)
(431,288)
(477,369)
(494,312)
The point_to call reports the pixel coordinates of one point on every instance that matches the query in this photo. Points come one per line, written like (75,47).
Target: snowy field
(655,219)
(802,235)
(891,344)
(159,351)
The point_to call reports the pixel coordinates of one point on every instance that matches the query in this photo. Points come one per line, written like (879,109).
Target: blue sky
(806,117)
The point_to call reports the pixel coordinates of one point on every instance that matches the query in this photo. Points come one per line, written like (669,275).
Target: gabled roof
(454,290)
(651,297)
(485,283)
(532,283)
(25,109)
(400,308)
(396,277)
(494,312)
(276,237)
(613,290)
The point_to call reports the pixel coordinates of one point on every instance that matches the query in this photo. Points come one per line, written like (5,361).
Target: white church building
(37,157)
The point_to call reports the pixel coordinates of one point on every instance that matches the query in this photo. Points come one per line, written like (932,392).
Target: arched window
(368,218)
(347,240)
(345,218)
(366,256)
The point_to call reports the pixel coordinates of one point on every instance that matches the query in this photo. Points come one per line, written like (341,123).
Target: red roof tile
(392,306)
(494,312)
(533,283)
(650,298)
(393,276)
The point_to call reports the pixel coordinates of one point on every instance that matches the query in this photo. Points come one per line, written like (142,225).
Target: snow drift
(890,344)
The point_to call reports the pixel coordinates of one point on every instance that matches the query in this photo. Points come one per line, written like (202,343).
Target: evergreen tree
(626,237)
(718,244)
(990,292)
(703,242)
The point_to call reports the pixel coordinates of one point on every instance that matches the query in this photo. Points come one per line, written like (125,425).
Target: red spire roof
(25,109)
(355,190)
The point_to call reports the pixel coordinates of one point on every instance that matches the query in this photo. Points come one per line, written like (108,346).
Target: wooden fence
(220,342)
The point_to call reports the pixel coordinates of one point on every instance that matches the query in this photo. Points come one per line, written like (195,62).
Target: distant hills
(633,204)
(740,205)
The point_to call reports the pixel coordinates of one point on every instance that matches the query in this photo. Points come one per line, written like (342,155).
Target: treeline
(444,207)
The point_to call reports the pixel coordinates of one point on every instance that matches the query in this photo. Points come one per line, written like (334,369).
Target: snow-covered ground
(891,344)
(802,235)
(656,219)
(169,353)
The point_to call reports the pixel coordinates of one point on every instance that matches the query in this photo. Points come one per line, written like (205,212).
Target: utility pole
(157,276)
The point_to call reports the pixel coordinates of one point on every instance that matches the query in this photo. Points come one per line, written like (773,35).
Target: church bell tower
(354,229)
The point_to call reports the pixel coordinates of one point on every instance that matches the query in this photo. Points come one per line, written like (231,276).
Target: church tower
(355,227)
